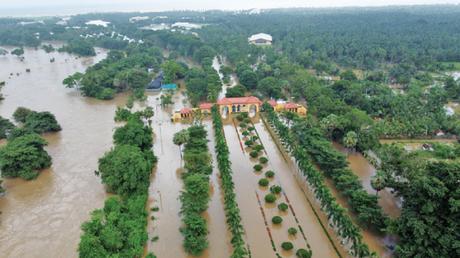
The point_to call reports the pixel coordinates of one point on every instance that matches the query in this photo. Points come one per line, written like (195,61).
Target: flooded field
(43,216)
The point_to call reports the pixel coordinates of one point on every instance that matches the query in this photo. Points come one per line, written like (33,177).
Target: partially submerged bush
(287,246)
(254,154)
(258,167)
(283,206)
(292,231)
(258,148)
(270,198)
(277,220)
(270,174)
(276,189)
(302,253)
(264,182)
(263,160)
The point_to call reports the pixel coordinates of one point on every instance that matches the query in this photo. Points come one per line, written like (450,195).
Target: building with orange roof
(280,106)
(249,104)
(206,107)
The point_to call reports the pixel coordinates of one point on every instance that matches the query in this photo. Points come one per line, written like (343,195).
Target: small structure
(170,86)
(241,104)
(182,113)
(261,39)
(280,106)
(155,85)
(206,108)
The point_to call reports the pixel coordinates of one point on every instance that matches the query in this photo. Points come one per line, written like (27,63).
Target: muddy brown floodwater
(389,202)
(42,217)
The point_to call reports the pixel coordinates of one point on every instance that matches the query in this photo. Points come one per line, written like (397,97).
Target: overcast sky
(159,5)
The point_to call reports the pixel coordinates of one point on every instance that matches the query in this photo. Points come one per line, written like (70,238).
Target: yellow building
(241,104)
(289,107)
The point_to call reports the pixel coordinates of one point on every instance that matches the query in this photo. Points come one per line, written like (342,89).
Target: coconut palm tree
(180,138)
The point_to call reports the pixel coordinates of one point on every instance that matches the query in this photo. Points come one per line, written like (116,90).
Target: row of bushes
(337,214)
(232,212)
(334,164)
(119,229)
(195,196)
(252,141)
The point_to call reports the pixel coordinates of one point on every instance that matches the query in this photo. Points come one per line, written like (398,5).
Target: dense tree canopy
(23,157)
(125,170)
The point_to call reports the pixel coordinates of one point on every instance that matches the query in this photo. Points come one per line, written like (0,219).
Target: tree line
(119,229)
(232,212)
(336,214)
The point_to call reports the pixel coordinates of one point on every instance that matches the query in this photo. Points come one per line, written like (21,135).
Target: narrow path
(285,174)
(219,236)
(300,199)
(165,187)
(245,185)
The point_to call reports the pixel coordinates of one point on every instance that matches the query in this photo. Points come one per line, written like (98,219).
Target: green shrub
(269,174)
(258,167)
(263,182)
(254,154)
(258,148)
(247,120)
(270,198)
(292,231)
(263,160)
(243,125)
(283,206)
(287,246)
(302,253)
(245,133)
(248,143)
(251,128)
(277,220)
(254,138)
(240,117)
(276,189)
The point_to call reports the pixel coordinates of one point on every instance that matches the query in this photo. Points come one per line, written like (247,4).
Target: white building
(261,39)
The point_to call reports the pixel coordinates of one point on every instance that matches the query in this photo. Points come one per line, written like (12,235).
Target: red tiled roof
(290,105)
(272,102)
(240,100)
(186,111)
(206,105)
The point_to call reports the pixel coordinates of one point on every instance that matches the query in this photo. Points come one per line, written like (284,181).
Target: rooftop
(171,86)
(263,36)
(239,100)
(206,105)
